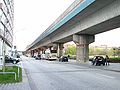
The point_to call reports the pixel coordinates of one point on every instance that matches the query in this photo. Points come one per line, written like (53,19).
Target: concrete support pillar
(82,52)
(55,46)
(50,48)
(43,51)
(82,45)
(32,53)
(39,51)
(60,50)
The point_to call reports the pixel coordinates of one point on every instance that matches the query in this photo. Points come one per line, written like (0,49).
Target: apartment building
(6,25)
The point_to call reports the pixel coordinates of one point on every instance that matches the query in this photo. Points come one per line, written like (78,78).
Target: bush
(115,60)
(73,57)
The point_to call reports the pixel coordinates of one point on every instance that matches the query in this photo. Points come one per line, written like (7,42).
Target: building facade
(6,25)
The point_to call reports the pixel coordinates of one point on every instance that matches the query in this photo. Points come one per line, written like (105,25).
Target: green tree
(110,52)
(118,52)
(71,50)
(91,51)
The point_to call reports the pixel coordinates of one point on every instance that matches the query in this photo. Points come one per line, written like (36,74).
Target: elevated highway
(79,23)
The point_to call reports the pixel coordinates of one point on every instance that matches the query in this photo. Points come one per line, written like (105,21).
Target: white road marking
(106,76)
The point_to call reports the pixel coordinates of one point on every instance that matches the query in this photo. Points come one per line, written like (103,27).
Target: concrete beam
(83,39)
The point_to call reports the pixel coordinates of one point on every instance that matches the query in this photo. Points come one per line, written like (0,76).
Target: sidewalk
(112,67)
(24,85)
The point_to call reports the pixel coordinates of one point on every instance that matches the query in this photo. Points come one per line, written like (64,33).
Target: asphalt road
(54,75)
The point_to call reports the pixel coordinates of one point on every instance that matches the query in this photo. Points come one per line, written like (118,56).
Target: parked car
(63,59)
(38,57)
(9,59)
(98,60)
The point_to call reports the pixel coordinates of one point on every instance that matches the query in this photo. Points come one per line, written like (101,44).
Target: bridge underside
(101,16)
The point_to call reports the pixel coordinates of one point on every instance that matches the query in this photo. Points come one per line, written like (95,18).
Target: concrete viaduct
(79,23)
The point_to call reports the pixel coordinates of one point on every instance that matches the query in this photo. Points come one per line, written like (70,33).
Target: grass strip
(10,78)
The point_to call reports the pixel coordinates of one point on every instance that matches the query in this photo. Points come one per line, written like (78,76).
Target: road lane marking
(106,76)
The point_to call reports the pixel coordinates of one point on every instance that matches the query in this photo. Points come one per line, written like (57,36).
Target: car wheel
(14,62)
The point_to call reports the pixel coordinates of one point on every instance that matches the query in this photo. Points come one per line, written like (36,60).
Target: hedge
(115,60)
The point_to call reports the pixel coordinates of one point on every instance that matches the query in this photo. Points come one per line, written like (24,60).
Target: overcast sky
(32,17)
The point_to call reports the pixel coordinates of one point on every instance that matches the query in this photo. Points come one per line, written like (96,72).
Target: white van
(52,55)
